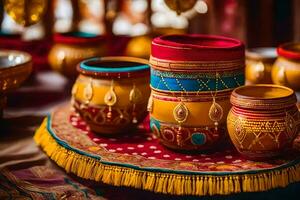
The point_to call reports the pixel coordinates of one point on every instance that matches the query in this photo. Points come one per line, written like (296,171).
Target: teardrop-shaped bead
(110,97)
(215,112)
(88,92)
(180,113)
(135,95)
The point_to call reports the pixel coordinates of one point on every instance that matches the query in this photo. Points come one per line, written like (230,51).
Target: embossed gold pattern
(263,121)
(215,112)
(181,113)
(110,99)
(88,91)
(135,96)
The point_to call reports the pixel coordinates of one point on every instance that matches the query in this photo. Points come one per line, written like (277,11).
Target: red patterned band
(195,47)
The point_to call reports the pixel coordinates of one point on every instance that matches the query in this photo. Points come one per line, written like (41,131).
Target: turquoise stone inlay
(198,138)
(154,123)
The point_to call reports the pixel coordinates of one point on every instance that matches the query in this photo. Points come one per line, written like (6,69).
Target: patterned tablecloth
(138,160)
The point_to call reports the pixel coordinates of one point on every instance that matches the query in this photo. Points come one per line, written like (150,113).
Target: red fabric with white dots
(144,143)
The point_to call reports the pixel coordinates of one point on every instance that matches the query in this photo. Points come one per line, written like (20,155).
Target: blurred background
(128,26)
(257,23)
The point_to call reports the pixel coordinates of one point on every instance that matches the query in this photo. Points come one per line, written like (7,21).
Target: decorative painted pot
(192,77)
(111,93)
(73,47)
(263,121)
(286,69)
(259,63)
(15,67)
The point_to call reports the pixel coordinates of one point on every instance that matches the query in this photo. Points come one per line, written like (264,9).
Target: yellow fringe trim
(167,183)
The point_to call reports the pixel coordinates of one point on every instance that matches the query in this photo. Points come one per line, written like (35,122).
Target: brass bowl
(15,67)
(71,48)
(259,62)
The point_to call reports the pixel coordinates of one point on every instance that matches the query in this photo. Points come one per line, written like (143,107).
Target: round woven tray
(138,160)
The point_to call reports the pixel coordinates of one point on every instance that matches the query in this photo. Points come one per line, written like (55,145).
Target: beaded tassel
(180,114)
(110,99)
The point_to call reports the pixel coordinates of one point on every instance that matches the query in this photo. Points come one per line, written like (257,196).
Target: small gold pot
(73,47)
(111,93)
(259,62)
(263,121)
(15,67)
(286,69)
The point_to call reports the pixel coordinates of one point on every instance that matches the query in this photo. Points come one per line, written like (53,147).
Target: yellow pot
(286,69)
(259,62)
(263,121)
(71,48)
(111,93)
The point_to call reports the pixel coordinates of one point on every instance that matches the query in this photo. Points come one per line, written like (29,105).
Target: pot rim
(290,50)
(86,66)
(240,99)
(197,47)
(77,37)
(262,53)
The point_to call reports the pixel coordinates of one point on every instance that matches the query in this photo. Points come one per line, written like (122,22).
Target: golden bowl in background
(286,69)
(15,67)
(259,62)
(73,47)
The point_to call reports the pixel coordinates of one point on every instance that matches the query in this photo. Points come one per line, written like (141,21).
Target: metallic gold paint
(263,121)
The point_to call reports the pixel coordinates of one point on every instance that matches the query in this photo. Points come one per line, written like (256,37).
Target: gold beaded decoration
(110,100)
(180,114)
(135,97)
(88,92)
(215,113)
